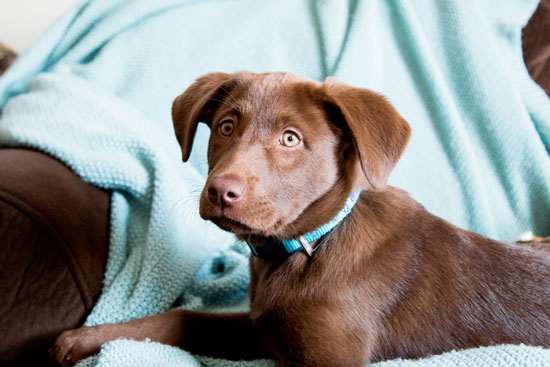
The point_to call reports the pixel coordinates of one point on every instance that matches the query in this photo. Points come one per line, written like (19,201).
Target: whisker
(192,199)
(225,102)
(236,105)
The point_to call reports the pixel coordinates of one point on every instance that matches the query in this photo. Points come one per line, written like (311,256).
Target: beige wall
(21,21)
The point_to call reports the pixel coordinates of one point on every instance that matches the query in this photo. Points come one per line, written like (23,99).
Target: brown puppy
(390,280)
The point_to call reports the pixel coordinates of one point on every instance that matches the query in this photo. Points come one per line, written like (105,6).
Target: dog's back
(458,289)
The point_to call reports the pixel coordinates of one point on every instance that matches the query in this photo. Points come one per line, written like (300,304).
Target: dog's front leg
(230,336)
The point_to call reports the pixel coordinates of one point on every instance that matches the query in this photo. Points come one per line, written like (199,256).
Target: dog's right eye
(290,139)
(226,127)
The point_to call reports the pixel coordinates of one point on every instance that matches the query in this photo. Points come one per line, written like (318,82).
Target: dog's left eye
(226,127)
(290,139)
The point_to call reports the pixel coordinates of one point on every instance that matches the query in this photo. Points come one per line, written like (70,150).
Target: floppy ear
(189,108)
(378,133)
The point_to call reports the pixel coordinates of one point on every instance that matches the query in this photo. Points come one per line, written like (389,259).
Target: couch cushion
(54,239)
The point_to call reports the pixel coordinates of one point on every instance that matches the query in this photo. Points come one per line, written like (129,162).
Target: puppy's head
(285,152)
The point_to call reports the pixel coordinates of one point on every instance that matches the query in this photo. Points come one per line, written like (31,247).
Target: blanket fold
(95,91)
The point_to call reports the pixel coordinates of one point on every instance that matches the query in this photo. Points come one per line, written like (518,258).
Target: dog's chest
(305,305)
(299,285)
(282,286)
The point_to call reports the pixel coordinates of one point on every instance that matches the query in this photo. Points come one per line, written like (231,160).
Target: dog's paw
(73,345)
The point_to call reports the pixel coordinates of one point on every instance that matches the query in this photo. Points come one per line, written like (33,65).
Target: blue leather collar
(272,249)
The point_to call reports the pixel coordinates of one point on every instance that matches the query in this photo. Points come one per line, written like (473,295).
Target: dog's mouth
(237,227)
(233,225)
(245,221)
(243,228)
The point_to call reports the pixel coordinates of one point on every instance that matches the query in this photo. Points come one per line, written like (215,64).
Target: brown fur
(392,280)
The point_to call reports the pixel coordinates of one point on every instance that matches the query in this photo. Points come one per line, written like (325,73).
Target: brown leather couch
(54,231)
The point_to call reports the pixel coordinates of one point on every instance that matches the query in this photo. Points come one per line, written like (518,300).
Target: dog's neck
(309,242)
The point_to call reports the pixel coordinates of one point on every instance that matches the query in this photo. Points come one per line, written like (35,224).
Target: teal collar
(279,249)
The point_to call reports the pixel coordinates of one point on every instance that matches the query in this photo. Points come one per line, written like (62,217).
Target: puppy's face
(270,136)
(283,155)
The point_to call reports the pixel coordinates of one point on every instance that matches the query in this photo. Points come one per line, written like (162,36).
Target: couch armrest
(54,234)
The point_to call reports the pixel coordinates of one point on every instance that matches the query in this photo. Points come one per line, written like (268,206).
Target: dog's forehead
(269,81)
(267,95)
(269,87)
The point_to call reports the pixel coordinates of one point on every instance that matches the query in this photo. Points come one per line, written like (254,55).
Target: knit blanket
(95,91)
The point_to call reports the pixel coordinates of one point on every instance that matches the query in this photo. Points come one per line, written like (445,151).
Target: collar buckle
(306,246)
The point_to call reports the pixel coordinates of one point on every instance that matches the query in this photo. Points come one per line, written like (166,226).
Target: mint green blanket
(95,91)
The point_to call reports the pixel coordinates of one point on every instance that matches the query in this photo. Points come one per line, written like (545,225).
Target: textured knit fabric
(132,353)
(95,91)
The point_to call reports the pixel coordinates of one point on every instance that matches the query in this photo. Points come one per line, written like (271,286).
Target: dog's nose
(225,191)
